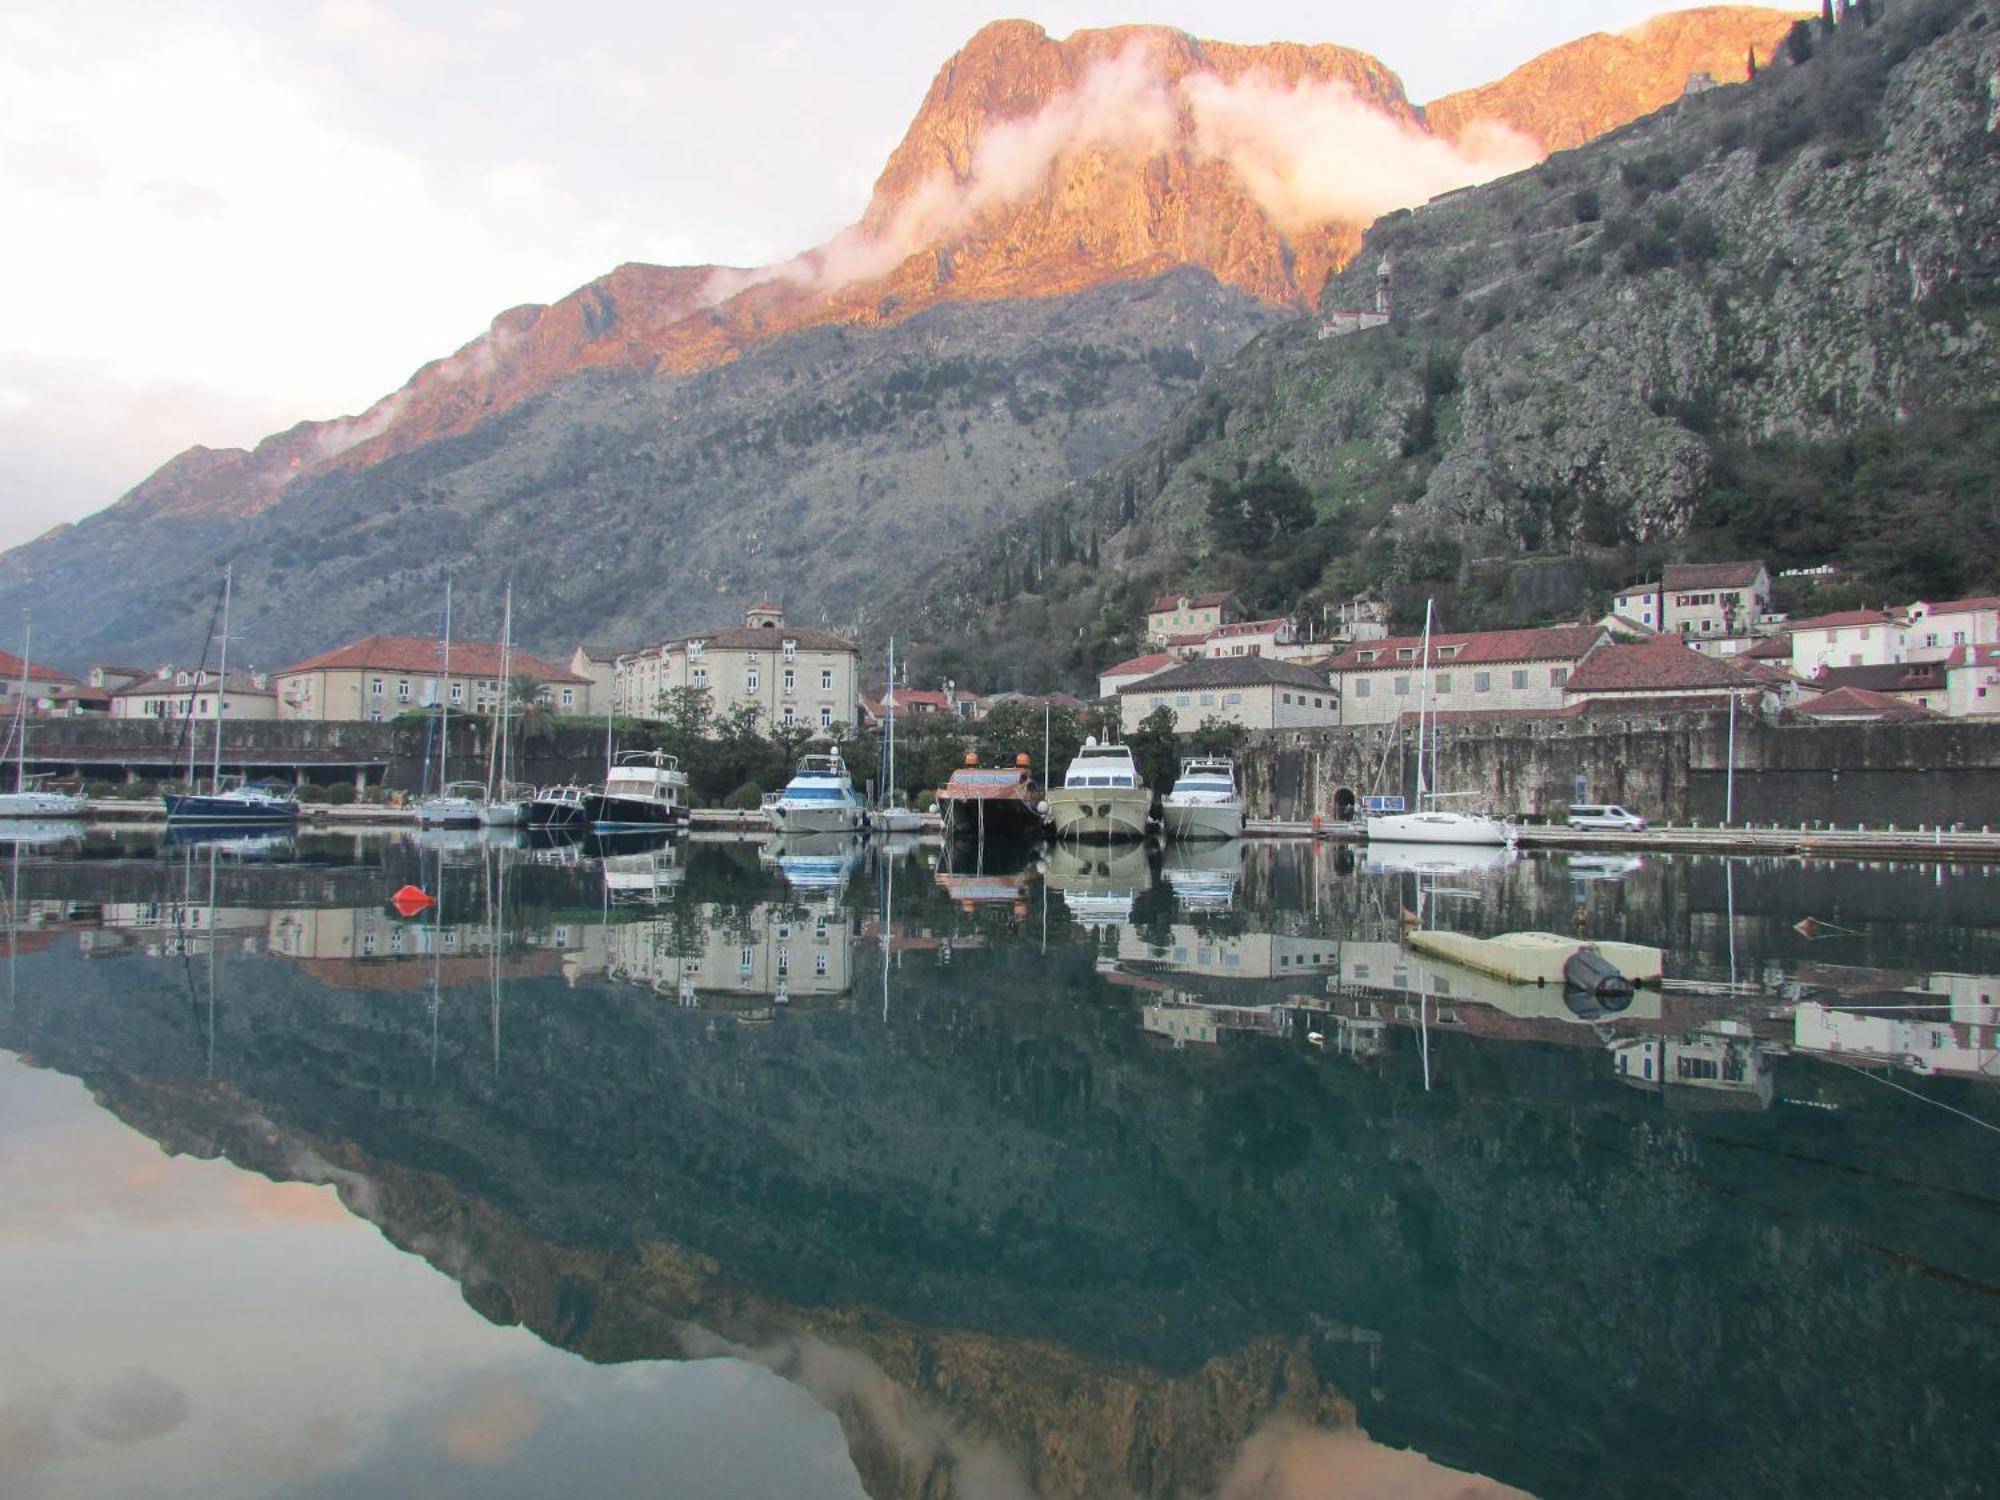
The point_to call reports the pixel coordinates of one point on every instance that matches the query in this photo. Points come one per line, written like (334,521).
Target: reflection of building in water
(774,949)
(1182,1021)
(1231,955)
(365,948)
(1952,1038)
(172,929)
(1720,1064)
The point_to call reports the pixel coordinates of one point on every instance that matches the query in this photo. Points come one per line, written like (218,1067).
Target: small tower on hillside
(1384,275)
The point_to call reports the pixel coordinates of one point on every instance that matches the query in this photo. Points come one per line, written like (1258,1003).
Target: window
(1406,653)
(825,717)
(375,686)
(791,649)
(786,718)
(1181,700)
(1444,682)
(1361,687)
(1286,697)
(1317,703)
(402,690)
(791,680)
(1482,682)
(1558,676)
(1402,687)
(819,963)
(1520,677)
(750,678)
(700,677)
(695,649)
(1232,697)
(458,692)
(375,716)
(826,679)
(1208,700)
(568,697)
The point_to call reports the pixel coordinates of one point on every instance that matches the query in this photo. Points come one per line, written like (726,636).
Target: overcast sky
(222,218)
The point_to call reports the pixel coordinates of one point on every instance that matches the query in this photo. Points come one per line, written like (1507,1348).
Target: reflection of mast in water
(437,957)
(887,924)
(495,869)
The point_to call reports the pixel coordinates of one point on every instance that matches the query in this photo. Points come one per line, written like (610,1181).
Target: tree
(1259,514)
(1218,736)
(1156,748)
(1799,43)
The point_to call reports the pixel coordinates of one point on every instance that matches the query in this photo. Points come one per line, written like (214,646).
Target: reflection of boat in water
(1604,866)
(28,833)
(449,840)
(273,844)
(1098,885)
(1437,859)
(642,879)
(1204,875)
(991,802)
(1204,802)
(815,861)
(976,889)
(1540,958)
(1405,976)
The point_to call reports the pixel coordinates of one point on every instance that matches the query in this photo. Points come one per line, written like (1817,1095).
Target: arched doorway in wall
(1343,805)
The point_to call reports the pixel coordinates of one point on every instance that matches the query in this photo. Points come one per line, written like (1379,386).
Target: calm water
(700,1172)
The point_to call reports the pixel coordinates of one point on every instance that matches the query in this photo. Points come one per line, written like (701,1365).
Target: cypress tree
(1753,65)
(1826,17)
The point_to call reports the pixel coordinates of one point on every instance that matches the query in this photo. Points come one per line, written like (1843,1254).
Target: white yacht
(645,789)
(1429,823)
(1204,802)
(28,800)
(1101,797)
(820,798)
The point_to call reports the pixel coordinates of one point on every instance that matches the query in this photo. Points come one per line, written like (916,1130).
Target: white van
(1604,815)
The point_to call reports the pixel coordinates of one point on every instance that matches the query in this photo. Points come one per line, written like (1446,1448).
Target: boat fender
(410,900)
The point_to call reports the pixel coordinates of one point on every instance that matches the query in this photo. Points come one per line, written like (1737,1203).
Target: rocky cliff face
(1587,87)
(1574,347)
(1036,168)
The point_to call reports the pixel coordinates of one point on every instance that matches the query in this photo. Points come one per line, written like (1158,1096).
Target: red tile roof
(1182,642)
(1661,666)
(1152,661)
(419,653)
(1840,621)
(1890,677)
(756,638)
(1553,643)
(1251,627)
(1167,602)
(1728,575)
(1860,703)
(1973,656)
(10,669)
(1773,647)
(1961,606)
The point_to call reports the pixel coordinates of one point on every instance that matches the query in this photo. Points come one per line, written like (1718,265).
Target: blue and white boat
(1204,803)
(820,798)
(239,802)
(246,802)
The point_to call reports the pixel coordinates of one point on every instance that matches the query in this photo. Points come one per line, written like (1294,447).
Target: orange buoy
(409,901)
(1806,928)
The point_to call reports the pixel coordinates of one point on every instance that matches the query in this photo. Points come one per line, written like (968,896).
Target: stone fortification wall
(1670,767)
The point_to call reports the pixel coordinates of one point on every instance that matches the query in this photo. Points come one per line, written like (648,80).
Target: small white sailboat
(455,804)
(1204,802)
(1429,823)
(28,800)
(245,801)
(888,816)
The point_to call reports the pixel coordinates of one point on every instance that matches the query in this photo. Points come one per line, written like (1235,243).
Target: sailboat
(505,804)
(1429,823)
(246,801)
(28,800)
(888,817)
(455,804)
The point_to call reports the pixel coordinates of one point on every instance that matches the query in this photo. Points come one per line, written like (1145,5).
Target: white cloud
(390,46)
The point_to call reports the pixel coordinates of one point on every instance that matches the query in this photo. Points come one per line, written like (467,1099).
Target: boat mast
(496,789)
(221,681)
(889,779)
(1423,705)
(21,706)
(444,698)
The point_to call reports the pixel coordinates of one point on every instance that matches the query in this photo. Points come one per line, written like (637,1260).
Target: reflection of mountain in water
(1107,1259)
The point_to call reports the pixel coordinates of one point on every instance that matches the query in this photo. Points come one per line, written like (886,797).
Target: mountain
(1036,169)
(1762,322)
